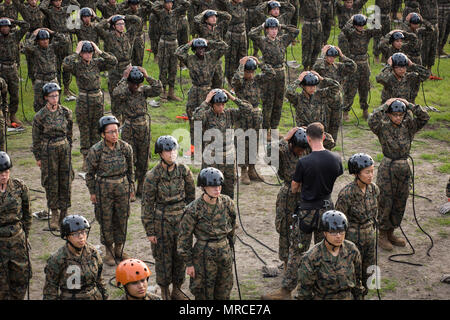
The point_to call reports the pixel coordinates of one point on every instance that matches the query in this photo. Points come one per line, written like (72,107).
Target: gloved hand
(445,208)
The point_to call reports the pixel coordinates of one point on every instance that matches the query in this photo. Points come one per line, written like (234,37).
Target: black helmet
(399,60)
(5,22)
(105,120)
(133,1)
(332,52)
(86,12)
(199,43)
(359,161)
(87,47)
(136,76)
(359,20)
(250,65)
(169,0)
(165,143)
(310,80)
(396,36)
(415,19)
(73,223)
(116,18)
(209,13)
(334,220)
(273,4)
(271,23)
(210,177)
(5,161)
(219,97)
(299,139)
(397,106)
(42,35)
(49,88)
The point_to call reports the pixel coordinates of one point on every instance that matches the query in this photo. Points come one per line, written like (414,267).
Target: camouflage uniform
(387,49)
(198,6)
(273,54)
(154,33)
(287,10)
(358,46)
(325,277)
(211,255)
(9,51)
(164,197)
(62,269)
(224,152)
(326,18)
(15,225)
(253,19)
(394,172)
(182,24)
(168,43)
(201,73)
(407,87)
(311,32)
(429,12)
(319,106)
(87,32)
(412,45)
(110,177)
(444,23)
(3,105)
(148,296)
(44,63)
(52,144)
(122,48)
(385,17)
(203,31)
(339,71)
(9,11)
(411,6)
(344,15)
(107,9)
(89,107)
(361,210)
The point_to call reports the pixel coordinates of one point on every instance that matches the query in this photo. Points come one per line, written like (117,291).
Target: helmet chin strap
(334,247)
(358,178)
(210,198)
(166,163)
(76,248)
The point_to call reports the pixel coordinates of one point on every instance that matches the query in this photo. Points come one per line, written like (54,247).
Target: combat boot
(280,294)
(383,241)
(54,220)
(244,176)
(119,254)
(13,119)
(109,258)
(177,294)
(253,175)
(171,96)
(396,241)
(163,95)
(165,293)
(365,114)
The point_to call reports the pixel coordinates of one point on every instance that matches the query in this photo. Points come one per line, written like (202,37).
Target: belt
(238,32)
(396,159)
(113,179)
(13,234)
(317,204)
(58,141)
(134,122)
(93,92)
(364,225)
(168,41)
(171,213)
(278,66)
(216,243)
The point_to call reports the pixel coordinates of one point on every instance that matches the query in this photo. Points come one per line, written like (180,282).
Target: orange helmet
(131,270)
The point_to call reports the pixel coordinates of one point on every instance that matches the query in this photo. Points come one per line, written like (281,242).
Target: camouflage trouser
(14,267)
(358,82)
(393,181)
(295,16)
(169,264)
(39,101)
(444,24)
(153,34)
(237,43)
(300,242)
(327,20)
(89,110)
(364,238)
(385,28)
(57,174)
(311,43)
(395,5)
(285,207)
(213,265)
(196,95)
(30,62)
(2,132)
(407,10)
(229,175)
(168,62)
(251,21)
(272,99)
(343,43)
(137,56)
(138,135)
(429,47)
(63,50)
(11,76)
(334,118)
(217,80)
(112,209)
(183,31)
(114,76)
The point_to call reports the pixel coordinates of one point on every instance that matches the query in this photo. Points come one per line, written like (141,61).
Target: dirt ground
(257,207)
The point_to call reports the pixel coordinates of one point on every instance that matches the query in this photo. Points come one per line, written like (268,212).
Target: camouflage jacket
(15,210)
(9,11)
(429,10)
(396,141)
(345,14)
(404,87)
(205,222)
(48,125)
(359,208)
(33,15)
(202,28)
(44,59)
(238,14)
(107,9)
(412,44)
(134,105)
(201,71)
(165,192)
(168,21)
(384,5)
(286,12)
(88,3)
(274,51)
(316,107)
(202,5)
(3,94)
(103,162)
(88,74)
(57,18)
(9,44)
(322,276)
(359,42)
(338,71)
(310,9)
(143,12)
(86,32)
(83,274)
(386,48)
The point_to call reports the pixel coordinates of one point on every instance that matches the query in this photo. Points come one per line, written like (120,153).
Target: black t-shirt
(317,173)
